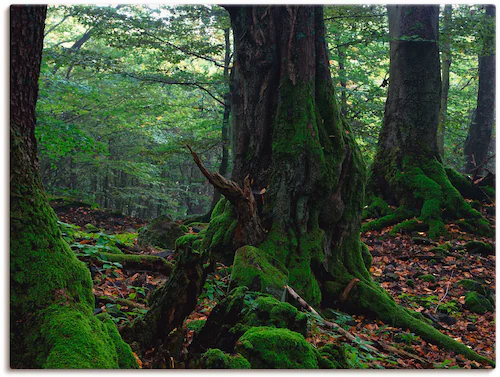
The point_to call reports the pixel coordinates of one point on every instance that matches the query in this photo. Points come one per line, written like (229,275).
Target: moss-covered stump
(421,187)
(273,348)
(241,310)
(217,359)
(252,269)
(160,232)
(477,303)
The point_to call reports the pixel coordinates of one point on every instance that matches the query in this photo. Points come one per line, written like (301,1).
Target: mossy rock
(473,286)
(477,303)
(479,247)
(196,325)
(272,348)
(428,278)
(161,232)
(214,358)
(252,269)
(410,283)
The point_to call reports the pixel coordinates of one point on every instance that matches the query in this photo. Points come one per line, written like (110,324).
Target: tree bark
(407,171)
(445,77)
(479,135)
(51,303)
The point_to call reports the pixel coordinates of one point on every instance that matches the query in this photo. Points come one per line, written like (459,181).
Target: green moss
(187,239)
(400,214)
(428,278)
(215,359)
(482,248)
(367,257)
(238,362)
(51,300)
(196,325)
(473,286)
(268,311)
(477,303)
(252,269)
(220,232)
(272,348)
(286,251)
(160,232)
(410,283)
(376,208)
(334,356)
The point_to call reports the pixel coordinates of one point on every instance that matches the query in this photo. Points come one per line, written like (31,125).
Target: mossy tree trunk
(479,137)
(294,146)
(51,302)
(306,174)
(445,76)
(407,171)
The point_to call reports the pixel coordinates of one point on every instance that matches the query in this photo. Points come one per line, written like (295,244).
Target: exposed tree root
(432,201)
(373,300)
(133,262)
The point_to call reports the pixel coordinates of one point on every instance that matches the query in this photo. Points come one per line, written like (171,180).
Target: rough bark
(407,171)
(445,76)
(294,147)
(51,302)
(479,136)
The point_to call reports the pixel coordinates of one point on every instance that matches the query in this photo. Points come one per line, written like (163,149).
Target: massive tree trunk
(479,136)
(407,171)
(52,324)
(445,76)
(297,186)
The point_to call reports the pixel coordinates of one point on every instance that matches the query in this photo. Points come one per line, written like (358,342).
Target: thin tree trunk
(480,130)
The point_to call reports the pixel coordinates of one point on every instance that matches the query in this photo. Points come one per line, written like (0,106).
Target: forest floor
(407,266)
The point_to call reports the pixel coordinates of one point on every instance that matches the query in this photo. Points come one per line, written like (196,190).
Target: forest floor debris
(427,277)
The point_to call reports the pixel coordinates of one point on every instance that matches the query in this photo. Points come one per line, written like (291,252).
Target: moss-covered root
(374,300)
(134,262)
(427,199)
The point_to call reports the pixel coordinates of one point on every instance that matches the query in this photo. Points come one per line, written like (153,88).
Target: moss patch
(252,269)
(477,303)
(272,348)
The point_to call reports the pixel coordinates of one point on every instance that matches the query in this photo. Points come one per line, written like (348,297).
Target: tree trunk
(479,136)
(407,171)
(51,301)
(445,77)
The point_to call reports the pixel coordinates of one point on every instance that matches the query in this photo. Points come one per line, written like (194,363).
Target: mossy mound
(241,310)
(272,348)
(160,232)
(473,286)
(252,269)
(479,247)
(477,303)
(217,359)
